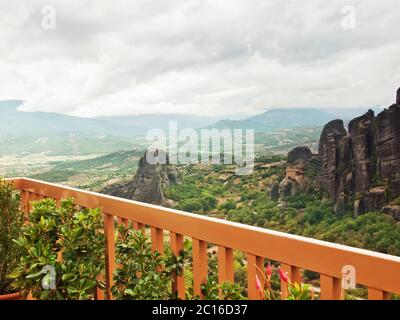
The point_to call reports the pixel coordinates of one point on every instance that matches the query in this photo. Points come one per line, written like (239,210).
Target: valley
(278,195)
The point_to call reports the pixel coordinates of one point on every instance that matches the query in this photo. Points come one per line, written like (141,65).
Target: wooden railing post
(32,197)
(293,274)
(178,283)
(375,294)
(123,221)
(25,202)
(139,226)
(157,240)
(200,265)
(110,251)
(254,265)
(99,293)
(225,266)
(331,288)
(25,198)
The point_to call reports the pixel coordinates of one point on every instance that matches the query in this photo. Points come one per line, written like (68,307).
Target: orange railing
(380,273)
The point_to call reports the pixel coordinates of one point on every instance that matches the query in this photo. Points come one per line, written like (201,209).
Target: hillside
(279,119)
(92,173)
(46,124)
(345,191)
(145,122)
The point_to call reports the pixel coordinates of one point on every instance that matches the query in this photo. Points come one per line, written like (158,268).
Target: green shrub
(208,202)
(191,205)
(212,290)
(11,221)
(315,212)
(143,274)
(64,244)
(228,205)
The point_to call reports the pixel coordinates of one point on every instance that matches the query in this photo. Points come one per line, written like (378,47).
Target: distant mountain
(279,119)
(350,113)
(57,134)
(47,124)
(145,122)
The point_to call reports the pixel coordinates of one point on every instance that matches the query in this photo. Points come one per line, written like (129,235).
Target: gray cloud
(203,57)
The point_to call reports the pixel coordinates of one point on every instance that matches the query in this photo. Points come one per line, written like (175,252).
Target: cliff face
(333,149)
(398,97)
(388,142)
(294,181)
(148,182)
(299,153)
(360,169)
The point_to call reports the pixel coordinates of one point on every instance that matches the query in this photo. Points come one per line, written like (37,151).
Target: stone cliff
(360,168)
(293,182)
(148,182)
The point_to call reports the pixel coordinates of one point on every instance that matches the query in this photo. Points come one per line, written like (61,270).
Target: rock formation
(358,168)
(274,192)
(294,177)
(292,183)
(394,211)
(331,136)
(398,97)
(299,153)
(361,169)
(387,135)
(149,181)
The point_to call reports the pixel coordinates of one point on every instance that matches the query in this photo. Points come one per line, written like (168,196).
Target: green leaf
(34,275)
(68,277)
(129,292)
(15,274)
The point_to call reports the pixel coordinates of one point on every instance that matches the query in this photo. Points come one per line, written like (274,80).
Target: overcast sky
(215,57)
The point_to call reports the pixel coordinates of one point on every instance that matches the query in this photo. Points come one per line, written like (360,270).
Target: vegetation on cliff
(205,190)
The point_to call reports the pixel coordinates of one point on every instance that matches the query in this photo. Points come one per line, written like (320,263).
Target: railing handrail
(375,270)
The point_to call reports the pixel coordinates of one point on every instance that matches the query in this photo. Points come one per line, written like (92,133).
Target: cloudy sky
(210,57)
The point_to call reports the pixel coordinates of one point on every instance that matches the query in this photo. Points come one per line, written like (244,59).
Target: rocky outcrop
(334,149)
(372,200)
(398,97)
(394,211)
(149,181)
(387,135)
(361,134)
(360,169)
(274,192)
(293,182)
(299,153)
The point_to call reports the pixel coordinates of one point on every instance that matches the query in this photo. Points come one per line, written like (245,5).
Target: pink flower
(259,287)
(268,271)
(283,276)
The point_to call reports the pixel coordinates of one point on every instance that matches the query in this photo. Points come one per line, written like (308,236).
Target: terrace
(380,273)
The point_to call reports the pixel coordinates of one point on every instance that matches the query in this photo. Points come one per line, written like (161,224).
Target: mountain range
(44,124)
(279,119)
(47,124)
